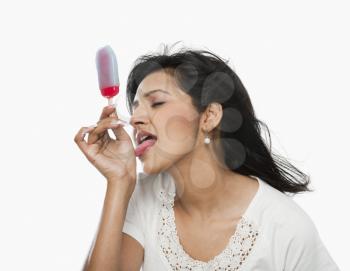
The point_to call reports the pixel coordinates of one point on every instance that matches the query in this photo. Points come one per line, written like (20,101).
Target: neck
(202,183)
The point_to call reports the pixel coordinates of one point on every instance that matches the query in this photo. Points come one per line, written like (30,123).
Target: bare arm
(115,159)
(112,250)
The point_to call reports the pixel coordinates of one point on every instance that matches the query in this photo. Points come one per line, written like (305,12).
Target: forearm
(106,249)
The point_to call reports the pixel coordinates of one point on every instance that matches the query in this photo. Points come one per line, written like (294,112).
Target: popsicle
(108,78)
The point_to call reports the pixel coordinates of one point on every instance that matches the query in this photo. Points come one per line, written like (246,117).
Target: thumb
(118,130)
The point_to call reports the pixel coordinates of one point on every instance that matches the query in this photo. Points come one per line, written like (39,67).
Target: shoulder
(292,234)
(149,188)
(287,215)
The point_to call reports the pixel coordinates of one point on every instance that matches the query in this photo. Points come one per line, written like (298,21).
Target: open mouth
(144,142)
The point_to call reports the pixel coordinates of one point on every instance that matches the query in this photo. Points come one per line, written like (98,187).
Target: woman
(212,195)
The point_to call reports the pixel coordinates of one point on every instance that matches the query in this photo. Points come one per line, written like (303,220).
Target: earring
(207,139)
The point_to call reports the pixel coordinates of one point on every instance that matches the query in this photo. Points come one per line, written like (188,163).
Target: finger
(93,136)
(107,111)
(79,138)
(107,123)
(112,123)
(114,114)
(119,131)
(100,133)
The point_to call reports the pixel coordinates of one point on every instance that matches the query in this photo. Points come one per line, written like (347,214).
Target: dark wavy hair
(207,78)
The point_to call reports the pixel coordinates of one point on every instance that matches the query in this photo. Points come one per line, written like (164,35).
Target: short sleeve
(133,224)
(306,250)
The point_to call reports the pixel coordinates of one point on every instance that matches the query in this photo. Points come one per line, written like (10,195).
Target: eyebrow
(136,103)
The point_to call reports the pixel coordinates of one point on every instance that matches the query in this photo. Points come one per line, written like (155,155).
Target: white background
(292,56)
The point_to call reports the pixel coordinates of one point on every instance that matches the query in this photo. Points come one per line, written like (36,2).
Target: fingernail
(112,106)
(92,126)
(116,122)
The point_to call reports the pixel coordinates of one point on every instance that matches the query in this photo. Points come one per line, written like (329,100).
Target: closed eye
(157,104)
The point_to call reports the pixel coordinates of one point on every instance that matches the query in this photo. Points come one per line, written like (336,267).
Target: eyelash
(157,104)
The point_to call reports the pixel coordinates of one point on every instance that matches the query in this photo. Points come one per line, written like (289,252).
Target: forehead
(159,80)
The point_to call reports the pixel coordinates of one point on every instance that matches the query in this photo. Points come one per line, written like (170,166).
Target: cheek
(178,131)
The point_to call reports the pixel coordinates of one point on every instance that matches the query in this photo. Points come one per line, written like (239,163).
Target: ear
(211,117)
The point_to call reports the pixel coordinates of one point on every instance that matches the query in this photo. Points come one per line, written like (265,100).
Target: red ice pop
(108,79)
(107,70)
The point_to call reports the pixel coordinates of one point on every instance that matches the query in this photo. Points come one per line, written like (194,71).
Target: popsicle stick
(110,102)
(125,122)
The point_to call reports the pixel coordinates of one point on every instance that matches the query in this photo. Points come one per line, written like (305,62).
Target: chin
(151,169)
(152,166)
(157,160)
(149,164)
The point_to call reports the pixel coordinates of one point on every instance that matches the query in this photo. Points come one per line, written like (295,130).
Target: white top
(274,233)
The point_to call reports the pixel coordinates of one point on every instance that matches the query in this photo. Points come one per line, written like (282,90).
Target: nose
(139,118)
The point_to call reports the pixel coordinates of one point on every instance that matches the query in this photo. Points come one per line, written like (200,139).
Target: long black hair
(207,78)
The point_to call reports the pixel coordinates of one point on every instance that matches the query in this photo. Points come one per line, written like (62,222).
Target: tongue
(140,149)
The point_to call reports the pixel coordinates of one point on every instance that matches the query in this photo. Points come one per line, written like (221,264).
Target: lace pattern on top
(231,258)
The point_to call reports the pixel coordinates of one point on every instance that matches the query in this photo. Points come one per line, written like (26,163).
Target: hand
(114,158)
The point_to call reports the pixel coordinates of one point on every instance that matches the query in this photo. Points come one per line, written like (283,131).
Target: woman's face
(161,108)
